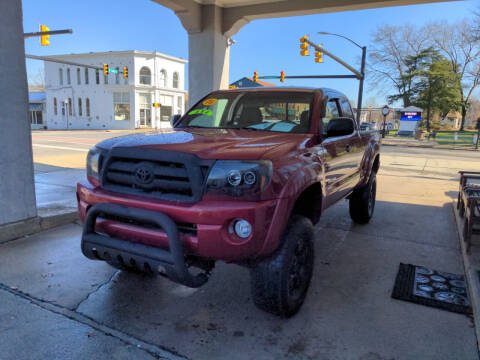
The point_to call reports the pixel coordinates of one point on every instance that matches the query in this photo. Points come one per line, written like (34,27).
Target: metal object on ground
(432,288)
(468,204)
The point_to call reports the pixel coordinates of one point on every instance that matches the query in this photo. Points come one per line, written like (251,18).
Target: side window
(331,112)
(346,109)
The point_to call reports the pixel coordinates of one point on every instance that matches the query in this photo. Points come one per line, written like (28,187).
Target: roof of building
(261,82)
(258,83)
(412,108)
(124,52)
(36,96)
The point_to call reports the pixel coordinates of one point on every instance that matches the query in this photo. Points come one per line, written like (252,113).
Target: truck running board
(147,258)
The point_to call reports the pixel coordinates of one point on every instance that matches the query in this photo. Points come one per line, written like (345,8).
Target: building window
(87,106)
(70,106)
(97,76)
(69,80)
(105,79)
(121,105)
(163,78)
(36,117)
(175,80)
(145,76)
(117,76)
(78,76)
(79,106)
(86,76)
(55,110)
(179,105)
(60,76)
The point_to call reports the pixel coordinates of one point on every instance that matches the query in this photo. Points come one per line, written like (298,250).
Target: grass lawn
(464,138)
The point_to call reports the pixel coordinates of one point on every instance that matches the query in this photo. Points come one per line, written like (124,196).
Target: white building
(82,98)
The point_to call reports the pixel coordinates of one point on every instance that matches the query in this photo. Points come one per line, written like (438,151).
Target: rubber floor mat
(432,288)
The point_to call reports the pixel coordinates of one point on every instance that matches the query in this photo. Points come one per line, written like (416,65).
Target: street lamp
(362,70)
(385,112)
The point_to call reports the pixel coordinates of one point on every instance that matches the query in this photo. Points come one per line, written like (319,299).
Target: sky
(267,46)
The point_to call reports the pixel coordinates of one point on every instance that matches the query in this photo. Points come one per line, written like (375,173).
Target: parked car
(243,177)
(365,126)
(388,126)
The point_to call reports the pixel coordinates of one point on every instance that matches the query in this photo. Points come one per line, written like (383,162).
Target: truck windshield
(274,111)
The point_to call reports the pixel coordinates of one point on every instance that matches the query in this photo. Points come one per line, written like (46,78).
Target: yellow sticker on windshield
(209,102)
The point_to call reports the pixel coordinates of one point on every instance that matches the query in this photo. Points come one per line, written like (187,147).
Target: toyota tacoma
(242,177)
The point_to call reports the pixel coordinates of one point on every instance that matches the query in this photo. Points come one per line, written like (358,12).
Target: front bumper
(143,257)
(209,235)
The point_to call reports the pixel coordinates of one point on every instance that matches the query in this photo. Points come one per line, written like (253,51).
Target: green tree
(436,88)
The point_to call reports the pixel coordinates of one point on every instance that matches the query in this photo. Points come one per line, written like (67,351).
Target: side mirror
(340,127)
(174,119)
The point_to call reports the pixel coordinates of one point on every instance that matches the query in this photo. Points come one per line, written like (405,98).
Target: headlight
(239,178)
(94,162)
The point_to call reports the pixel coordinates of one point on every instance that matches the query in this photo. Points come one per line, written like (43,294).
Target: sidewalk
(406,141)
(55,190)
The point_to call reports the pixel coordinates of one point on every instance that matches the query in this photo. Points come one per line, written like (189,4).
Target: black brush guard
(146,258)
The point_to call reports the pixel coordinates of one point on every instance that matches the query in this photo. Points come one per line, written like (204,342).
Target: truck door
(357,147)
(338,163)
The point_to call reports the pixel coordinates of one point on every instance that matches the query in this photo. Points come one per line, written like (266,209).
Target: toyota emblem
(143,175)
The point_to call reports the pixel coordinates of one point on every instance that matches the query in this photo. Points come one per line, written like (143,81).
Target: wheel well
(376,164)
(309,203)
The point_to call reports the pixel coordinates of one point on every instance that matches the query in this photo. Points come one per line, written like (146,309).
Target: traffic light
(255,76)
(44,38)
(318,56)
(304,46)
(105,69)
(125,72)
(282,76)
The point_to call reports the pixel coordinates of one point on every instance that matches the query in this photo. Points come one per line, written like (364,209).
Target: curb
(445,147)
(36,224)
(471,263)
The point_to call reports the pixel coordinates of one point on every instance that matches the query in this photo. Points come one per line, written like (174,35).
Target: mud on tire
(362,201)
(279,283)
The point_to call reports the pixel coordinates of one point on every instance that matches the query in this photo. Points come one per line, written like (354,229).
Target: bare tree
(37,81)
(387,64)
(460,45)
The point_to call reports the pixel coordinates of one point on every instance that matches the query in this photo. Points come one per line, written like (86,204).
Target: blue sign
(411,116)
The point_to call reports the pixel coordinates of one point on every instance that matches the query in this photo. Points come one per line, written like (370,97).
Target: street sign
(113,71)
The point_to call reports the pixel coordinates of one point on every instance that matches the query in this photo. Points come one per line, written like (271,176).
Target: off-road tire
(279,283)
(362,201)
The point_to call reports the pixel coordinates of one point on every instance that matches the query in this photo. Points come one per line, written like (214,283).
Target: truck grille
(165,175)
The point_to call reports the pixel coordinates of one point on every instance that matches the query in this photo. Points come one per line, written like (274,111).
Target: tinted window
(331,111)
(346,109)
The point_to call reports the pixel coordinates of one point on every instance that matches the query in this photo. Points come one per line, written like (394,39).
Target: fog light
(243,228)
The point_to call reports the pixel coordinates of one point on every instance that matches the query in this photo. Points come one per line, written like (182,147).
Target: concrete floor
(69,307)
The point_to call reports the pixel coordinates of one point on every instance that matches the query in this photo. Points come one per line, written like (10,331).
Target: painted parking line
(60,147)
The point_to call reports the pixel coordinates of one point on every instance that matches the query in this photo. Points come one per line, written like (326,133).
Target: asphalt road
(53,150)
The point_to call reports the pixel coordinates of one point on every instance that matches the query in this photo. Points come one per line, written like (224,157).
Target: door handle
(348,148)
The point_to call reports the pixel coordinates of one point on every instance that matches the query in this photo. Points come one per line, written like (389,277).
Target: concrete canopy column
(17,192)
(209,55)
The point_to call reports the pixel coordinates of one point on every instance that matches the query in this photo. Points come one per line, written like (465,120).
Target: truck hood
(215,143)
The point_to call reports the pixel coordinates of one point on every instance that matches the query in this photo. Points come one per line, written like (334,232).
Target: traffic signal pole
(43,33)
(360,85)
(47,58)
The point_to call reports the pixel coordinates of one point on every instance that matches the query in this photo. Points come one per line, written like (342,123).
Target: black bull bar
(121,252)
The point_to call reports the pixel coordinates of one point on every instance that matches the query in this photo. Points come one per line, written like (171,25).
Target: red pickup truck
(242,177)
